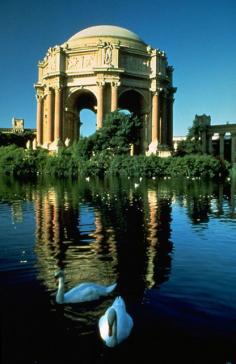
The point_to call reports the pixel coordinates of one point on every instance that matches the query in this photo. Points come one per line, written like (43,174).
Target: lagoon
(168,243)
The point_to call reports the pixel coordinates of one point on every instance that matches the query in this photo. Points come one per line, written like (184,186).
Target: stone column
(222,145)
(100,106)
(210,146)
(170,121)
(233,148)
(204,141)
(49,117)
(163,131)
(58,118)
(114,96)
(39,120)
(155,117)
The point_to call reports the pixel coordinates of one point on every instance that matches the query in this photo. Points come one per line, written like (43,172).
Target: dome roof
(105,31)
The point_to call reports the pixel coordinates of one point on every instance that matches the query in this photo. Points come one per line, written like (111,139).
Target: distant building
(17,127)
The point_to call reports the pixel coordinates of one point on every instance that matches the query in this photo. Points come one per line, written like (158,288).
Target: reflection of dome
(105,31)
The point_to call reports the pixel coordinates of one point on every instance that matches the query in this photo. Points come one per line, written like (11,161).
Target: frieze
(137,64)
(80,62)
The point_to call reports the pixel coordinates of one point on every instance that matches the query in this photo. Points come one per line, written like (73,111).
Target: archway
(133,102)
(82,103)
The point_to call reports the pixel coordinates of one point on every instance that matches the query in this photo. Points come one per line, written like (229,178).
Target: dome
(105,31)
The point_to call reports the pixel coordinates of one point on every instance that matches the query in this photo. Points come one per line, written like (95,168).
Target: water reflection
(104,233)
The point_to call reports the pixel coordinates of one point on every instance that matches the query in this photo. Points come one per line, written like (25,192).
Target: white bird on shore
(84,292)
(116,324)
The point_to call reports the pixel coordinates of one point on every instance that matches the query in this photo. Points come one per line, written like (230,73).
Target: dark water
(169,244)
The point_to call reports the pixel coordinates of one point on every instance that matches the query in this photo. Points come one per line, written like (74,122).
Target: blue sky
(199,38)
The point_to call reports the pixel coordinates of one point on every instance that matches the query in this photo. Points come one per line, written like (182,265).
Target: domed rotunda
(104,68)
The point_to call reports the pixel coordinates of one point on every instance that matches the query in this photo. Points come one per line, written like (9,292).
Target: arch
(132,100)
(78,100)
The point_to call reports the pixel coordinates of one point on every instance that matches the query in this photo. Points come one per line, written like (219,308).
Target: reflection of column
(222,145)
(49,115)
(58,121)
(100,104)
(98,233)
(155,116)
(152,237)
(39,120)
(152,202)
(56,221)
(233,148)
(38,217)
(114,96)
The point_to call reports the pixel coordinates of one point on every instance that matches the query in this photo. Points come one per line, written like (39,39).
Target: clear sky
(199,38)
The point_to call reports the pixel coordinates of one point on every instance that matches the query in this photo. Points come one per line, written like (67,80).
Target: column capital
(115,84)
(49,90)
(157,91)
(39,97)
(100,83)
(58,88)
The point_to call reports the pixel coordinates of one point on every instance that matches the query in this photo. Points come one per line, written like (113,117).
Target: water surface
(169,244)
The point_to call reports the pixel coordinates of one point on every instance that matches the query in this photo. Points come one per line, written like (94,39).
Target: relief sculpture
(80,62)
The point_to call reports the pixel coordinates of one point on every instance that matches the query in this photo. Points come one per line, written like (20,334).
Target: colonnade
(49,116)
(207,146)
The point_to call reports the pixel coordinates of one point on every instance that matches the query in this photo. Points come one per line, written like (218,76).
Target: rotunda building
(104,68)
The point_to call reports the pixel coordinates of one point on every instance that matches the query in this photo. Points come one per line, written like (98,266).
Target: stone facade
(104,68)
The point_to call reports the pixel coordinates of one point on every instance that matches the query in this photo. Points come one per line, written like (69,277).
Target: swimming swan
(82,293)
(116,324)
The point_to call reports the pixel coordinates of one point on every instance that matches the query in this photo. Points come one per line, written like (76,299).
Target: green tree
(192,144)
(118,132)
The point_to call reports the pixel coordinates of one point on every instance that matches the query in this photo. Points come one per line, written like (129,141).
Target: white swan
(116,324)
(84,292)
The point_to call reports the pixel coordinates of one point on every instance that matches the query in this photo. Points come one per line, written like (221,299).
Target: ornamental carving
(76,63)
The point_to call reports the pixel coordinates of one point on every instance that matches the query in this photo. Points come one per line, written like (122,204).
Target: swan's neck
(112,325)
(60,291)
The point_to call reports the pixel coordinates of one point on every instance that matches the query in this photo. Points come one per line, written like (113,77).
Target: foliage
(19,139)
(192,144)
(118,132)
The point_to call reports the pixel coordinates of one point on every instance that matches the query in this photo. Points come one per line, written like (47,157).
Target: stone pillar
(222,140)
(114,96)
(39,120)
(58,116)
(204,141)
(210,146)
(163,131)
(170,121)
(155,117)
(100,104)
(233,148)
(49,117)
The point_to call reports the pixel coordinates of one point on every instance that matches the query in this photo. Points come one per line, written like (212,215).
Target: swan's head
(111,319)
(59,274)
